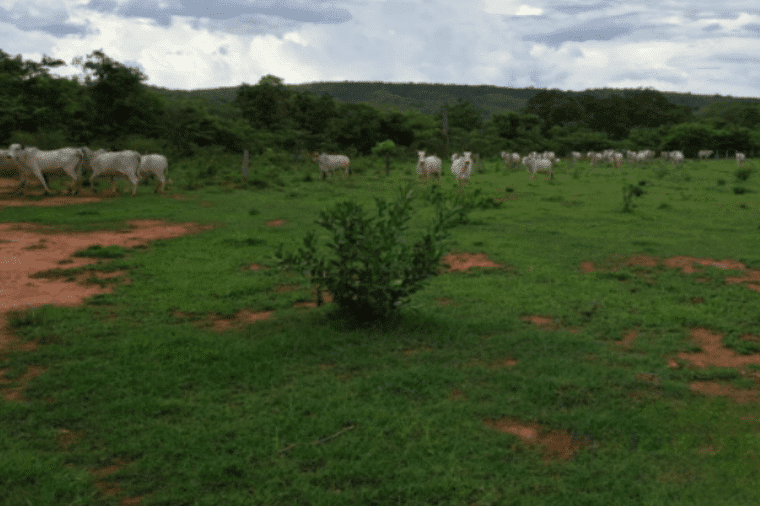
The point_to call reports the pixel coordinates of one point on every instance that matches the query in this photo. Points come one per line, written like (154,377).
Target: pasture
(608,358)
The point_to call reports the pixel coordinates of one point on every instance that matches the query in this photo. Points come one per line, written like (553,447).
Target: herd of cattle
(461,166)
(30,163)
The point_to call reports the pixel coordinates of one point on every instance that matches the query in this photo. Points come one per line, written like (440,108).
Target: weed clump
(630,191)
(742,174)
(373,272)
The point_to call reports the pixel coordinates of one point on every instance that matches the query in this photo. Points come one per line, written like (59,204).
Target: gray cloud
(607,28)
(742,58)
(649,75)
(53,23)
(578,9)
(226,13)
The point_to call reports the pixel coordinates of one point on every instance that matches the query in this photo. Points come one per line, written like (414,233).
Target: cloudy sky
(671,45)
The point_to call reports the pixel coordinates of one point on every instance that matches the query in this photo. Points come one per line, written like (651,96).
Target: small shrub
(742,174)
(642,182)
(374,272)
(209,172)
(739,190)
(664,205)
(661,172)
(721,181)
(253,211)
(630,191)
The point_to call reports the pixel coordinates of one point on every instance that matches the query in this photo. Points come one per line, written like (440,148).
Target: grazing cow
(31,162)
(427,166)
(156,165)
(461,166)
(704,153)
(329,163)
(118,164)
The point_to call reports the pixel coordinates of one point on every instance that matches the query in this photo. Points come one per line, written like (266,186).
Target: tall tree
(121,105)
(266,105)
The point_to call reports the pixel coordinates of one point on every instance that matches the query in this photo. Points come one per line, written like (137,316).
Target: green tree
(265,106)
(462,115)
(385,149)
(357,126)
(120,104)
(31,99)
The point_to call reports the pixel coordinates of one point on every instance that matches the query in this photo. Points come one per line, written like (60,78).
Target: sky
(670,45)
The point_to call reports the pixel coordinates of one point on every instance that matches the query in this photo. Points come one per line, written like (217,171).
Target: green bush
(630,191)
(721,181)
(739,190)
(743,173)
(372,272)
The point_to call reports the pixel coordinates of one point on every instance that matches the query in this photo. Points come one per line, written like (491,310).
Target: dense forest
(108,105)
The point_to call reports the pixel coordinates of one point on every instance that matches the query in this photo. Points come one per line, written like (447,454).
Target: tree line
(109,105)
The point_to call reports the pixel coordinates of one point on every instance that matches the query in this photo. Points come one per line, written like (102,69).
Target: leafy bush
(742,174)
(739,190)
(460,197)
(661,172)
(630,191)
(721,181)
(374,272)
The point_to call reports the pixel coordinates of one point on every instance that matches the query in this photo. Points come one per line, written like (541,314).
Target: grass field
(465,402)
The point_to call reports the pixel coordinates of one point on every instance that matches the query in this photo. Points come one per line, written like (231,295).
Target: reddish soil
(713,353)
(546,323)
(463,261)
(27,249)
(555,445)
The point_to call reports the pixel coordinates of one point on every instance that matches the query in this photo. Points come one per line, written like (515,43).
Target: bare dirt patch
(714,354)
(547,323)
(244,316)
(463,261)
(457,395)
(276,223)
(688,265)
(555,445)
(28,249)
(629,337)
(32,194)
(110,489)
(496,364)
(413,351)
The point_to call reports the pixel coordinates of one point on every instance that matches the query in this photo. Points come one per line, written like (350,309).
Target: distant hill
(428,98)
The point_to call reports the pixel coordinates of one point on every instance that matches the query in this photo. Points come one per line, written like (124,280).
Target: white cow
(118,164)
(156,165)
(461,166)
(676,157)
(329,163)
(538,163)
(8,167)
(427,166)
(704,153)
(31,162)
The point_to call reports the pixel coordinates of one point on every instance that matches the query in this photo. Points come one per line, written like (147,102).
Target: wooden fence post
(245,165)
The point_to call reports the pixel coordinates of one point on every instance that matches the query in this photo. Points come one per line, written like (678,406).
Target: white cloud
(673,45)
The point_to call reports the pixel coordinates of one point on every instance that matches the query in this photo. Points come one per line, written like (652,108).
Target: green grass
(299,409)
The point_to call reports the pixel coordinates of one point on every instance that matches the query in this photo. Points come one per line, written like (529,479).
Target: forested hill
(428,98)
